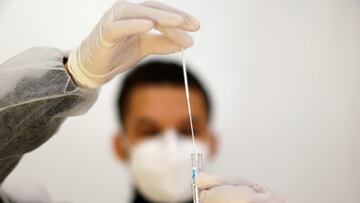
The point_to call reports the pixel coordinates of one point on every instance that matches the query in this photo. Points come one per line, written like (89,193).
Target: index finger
(160,17)
(190,22)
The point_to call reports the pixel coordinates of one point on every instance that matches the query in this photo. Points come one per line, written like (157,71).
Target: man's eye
(149,133)
(187,131)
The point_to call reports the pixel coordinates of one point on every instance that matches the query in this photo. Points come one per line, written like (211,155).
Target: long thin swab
(188,100)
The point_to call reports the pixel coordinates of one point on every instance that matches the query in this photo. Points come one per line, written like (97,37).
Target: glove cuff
(79,74)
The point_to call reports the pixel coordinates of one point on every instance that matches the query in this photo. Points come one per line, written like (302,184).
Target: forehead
(164,102)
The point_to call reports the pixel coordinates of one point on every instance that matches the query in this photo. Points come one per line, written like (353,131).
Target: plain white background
(284,76)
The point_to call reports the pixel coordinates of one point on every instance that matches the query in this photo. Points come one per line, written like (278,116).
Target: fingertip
(207,180)
(187,43)
(195,24)
(201,180)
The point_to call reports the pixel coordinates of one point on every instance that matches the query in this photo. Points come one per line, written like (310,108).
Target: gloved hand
(122,38)
(216,189)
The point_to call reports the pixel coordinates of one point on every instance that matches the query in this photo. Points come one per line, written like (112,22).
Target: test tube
(197,167)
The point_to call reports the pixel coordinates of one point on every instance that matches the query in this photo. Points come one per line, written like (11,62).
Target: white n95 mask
(161,167)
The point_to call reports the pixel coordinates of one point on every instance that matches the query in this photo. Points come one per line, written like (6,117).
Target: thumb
(206,181)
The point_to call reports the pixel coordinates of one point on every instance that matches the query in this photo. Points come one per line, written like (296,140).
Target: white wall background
(285,76)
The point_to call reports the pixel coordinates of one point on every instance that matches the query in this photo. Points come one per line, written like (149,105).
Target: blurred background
(285,77)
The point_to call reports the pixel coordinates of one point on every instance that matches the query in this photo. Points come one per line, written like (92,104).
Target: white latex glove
(122,38)
(215,189)
(23,192)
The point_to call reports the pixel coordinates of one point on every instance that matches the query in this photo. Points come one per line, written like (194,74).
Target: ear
(118,146)
(213,144)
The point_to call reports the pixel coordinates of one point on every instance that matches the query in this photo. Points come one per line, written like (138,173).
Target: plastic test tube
(197,167)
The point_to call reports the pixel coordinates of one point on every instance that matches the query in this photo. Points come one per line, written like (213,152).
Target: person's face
(152,109)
